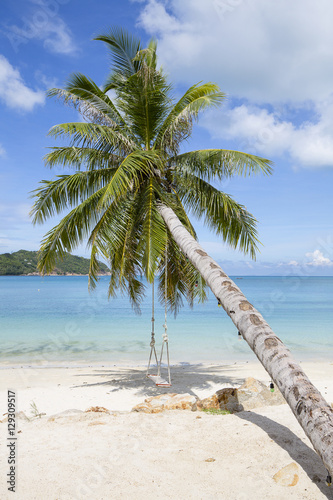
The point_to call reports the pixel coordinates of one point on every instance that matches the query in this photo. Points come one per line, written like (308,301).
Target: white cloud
(309,144)
(318,259)
(156,19)
(44,24)
(276,53)
(258,50)
(14,92)
(48,82)
(57,38)
(293,263)
(313,263)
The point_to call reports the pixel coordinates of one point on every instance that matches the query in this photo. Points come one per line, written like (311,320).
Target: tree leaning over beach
(130,195)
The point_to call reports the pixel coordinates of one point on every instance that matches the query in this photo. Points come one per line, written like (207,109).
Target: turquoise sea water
(55,320)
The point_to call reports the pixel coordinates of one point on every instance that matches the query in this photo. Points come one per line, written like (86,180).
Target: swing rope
(165,326)
(152,341)
(157,378)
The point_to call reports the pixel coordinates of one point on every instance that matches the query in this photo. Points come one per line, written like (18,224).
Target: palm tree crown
(127,162)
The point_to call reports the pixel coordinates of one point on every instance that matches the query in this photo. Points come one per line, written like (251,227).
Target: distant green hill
(25,262)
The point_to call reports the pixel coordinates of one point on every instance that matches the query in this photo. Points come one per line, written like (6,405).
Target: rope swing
(157,379)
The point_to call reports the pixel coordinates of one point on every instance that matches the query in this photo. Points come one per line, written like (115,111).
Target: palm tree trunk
(309,407)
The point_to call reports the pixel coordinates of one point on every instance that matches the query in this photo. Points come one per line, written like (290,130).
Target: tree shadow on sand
(191,378)
(186,377)
(300,452)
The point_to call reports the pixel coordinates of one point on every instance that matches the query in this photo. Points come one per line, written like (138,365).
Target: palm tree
(130,195)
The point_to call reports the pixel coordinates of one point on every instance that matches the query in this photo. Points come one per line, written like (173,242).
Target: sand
(175,454)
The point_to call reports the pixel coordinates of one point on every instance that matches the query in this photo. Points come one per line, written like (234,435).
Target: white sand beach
(175,454)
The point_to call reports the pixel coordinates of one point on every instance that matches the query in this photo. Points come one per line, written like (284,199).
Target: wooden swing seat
(159,381)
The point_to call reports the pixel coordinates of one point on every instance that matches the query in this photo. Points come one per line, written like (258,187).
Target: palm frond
(117,237)
(144,100)
(183,280)
(221,213)
(72,230)
(123,48)
(67,191)
(113,237)
(220,163)
(153,233)
(147,56)
(90,101)
(196,99)
(81,158)
(95,136)
(132,171)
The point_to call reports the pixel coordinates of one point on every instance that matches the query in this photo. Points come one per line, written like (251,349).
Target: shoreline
(119,387)
(300,358)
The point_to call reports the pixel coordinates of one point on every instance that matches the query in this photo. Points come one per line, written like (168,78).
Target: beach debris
(34,410)
(210,460)
(171,401)
(97,409)
(287,476)
(252,394)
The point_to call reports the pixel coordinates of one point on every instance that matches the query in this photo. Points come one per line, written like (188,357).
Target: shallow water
(56,320)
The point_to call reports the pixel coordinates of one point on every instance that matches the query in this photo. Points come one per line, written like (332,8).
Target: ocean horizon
(55,321)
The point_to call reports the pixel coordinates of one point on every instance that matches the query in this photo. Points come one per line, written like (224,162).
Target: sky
(272,59)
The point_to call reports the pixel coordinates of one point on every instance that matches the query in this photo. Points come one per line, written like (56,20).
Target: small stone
(97,409)
(252,385)
(172,401)
(252,394)
(142,407)
(287,476)
(181,402)
(161,397)
(208,403)
(210,460)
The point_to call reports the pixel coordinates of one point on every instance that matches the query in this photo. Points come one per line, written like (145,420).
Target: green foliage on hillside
(25,262)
